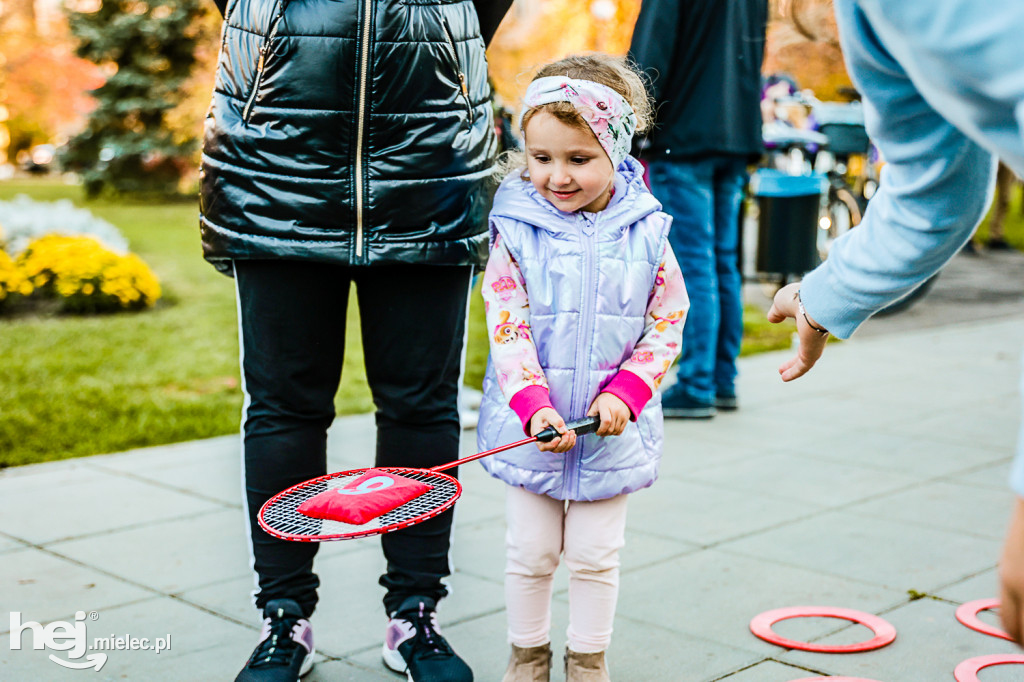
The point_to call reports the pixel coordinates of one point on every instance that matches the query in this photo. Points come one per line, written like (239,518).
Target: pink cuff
(630,389)
(526,402)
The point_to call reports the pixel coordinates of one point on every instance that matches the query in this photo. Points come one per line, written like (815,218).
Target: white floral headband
(605,111)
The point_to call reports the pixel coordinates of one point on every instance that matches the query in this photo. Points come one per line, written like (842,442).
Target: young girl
(585,306)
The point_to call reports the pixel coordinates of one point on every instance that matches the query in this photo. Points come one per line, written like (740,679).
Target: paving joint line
(160,484)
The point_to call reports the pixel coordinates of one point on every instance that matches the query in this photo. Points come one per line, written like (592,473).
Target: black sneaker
(675,403)
(413,645)
(285,652)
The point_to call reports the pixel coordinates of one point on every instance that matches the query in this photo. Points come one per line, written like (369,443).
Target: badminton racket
(280,516)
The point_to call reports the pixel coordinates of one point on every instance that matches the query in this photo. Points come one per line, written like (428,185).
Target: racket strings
(282,518)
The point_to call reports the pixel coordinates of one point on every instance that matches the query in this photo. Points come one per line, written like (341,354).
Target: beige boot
(585,667)
(532,664)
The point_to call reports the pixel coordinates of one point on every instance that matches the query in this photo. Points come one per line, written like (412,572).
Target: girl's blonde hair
(617,73)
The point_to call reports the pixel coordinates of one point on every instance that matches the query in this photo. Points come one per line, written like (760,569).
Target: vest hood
(517,199)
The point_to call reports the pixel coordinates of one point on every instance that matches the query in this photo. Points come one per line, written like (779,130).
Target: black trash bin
(789,207)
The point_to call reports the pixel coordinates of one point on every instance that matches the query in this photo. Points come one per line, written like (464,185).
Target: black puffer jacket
(357,132)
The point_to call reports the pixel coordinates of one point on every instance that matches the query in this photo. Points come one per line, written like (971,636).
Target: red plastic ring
(968,615)
(762,624)
(967,671)
(835,679)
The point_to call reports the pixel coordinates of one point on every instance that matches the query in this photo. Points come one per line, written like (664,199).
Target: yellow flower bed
(86,276)
(12,281)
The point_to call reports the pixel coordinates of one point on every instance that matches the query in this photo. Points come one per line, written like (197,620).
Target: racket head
(281,518)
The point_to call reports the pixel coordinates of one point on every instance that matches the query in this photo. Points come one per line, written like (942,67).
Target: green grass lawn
(1014,226)
(73,386)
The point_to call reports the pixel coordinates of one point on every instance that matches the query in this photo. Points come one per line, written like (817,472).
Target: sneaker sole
(394,662)
(689,412)
(307,663)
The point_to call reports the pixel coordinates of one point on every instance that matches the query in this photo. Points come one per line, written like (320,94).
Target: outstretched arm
(935,187)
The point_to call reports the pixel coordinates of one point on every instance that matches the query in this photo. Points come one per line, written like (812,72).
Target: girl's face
(567,165)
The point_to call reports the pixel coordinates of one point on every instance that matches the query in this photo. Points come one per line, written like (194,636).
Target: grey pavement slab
(882,471)
(984,585)
(705,515)
(92,502)
(804,479)
(45,587)
(985,425)
(994,476)
(714,595)
(10,544)
(770,671)
(171,556)
(880,551)
(948,506)
(212,472)
(920,456)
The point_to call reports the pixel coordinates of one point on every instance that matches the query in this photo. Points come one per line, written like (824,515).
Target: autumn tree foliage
(147,50)
(43,85)
(536,32)
(803,41)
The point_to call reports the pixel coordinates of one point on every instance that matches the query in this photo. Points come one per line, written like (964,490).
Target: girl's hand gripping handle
(580,426)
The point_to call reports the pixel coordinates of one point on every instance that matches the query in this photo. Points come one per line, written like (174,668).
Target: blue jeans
(703,197)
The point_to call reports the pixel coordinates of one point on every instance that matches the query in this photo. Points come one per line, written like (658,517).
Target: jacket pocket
(459,74)
(266,49)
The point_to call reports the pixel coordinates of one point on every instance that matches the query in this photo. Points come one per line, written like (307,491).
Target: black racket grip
(580,426)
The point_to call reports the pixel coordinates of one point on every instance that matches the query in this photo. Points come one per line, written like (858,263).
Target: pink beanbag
(374,493)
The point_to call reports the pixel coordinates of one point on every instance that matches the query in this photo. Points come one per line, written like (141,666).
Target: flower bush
(12,280)
(85,276)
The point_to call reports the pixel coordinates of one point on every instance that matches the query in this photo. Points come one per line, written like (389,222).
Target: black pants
(292,342)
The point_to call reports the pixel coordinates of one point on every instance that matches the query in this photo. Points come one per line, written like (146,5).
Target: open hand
(545,417)
(812,343)
(613,412)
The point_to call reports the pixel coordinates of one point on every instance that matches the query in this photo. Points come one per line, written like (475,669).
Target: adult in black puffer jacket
(349,141)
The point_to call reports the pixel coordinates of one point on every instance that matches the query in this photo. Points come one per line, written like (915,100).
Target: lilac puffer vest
(588,277)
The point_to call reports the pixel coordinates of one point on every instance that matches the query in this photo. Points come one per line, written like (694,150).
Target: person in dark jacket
(349,142)
(704,58)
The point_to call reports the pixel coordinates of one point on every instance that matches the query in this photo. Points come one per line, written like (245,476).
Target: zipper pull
(259,64)
(465,94)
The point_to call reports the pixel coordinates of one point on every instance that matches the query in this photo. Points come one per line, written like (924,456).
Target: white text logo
(72,639)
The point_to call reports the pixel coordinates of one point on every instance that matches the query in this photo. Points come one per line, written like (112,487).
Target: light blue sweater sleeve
(943,88)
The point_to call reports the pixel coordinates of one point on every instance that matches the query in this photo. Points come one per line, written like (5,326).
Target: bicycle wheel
(842,215)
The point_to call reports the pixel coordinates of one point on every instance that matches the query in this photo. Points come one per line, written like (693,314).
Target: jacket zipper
(582,376)
(364,61)
(264,53)
(463,86)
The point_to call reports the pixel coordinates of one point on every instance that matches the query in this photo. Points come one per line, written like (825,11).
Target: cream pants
(589,534)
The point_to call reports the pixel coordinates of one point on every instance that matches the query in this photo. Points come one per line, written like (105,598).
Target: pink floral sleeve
(513,353)
(640,375)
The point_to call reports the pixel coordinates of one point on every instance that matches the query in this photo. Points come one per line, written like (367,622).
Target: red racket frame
(432,476)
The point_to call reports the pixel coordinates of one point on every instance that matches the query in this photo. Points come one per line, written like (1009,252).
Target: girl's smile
(567,165)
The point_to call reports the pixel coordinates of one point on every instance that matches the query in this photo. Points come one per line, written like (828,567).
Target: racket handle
(580,426)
